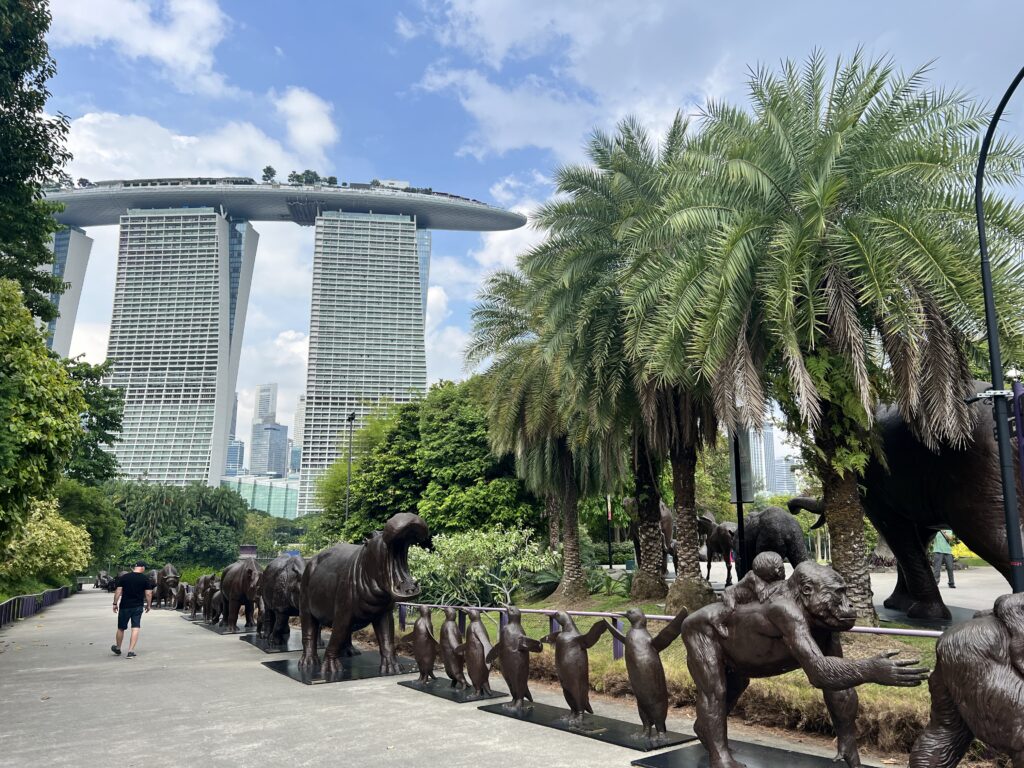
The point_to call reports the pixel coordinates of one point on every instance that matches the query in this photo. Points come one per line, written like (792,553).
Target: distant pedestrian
(134,594)
(943,555)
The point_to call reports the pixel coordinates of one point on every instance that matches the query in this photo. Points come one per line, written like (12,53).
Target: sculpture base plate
(959,615)
(242,630)
(362,667)
(617,732)
(442,688)
(188,617)
(294,643)
(752,755)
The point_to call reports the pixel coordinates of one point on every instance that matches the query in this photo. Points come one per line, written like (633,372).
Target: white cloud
(531,113)
(307,119)
(107,145)
(178,35)
(90,339)
(406,29)
(445,344)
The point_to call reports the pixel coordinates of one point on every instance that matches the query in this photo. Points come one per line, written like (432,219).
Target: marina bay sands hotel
(184,267)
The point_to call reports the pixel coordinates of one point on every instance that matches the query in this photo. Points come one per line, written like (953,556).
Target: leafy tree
(466,486)
(331,181)
(269,174)
(476,567)
(48,547)
(92,462)
(524,414)
(831,262)
(305,177)
(40,407)
(385,477)
(32,148)
(91,509)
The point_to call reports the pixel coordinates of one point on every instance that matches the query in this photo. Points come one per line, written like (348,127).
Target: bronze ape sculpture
(645,670)
(240,585)
(977,688)
(917,492)
(513,649)
(798,627)
(350,586)
(280,589)
(572,663)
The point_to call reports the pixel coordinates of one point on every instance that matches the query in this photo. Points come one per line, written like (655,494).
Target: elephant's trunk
(817,506)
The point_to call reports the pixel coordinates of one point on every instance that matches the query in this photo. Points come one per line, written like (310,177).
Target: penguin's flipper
(411,636)
(493,653)
(430,634)
(593,634)
(549,639)
(615,633)
(529,644)
(460,650)
(664,639)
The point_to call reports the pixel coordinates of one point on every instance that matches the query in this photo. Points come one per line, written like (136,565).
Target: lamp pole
(348,483)
(1000,406)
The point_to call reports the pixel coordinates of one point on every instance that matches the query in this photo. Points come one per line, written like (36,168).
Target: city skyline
(456,98)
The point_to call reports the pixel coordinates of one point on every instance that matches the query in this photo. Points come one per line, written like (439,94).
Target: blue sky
(483,98)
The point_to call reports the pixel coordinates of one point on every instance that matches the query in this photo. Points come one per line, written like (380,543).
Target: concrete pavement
(195,698)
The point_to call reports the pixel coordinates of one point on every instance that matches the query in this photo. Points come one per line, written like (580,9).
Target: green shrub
(48,548)
(477,567)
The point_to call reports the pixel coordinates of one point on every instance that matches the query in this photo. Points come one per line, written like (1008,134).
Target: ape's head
(821,592)
(769,566)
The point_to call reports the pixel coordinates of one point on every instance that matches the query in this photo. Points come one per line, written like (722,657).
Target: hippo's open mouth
(401,532)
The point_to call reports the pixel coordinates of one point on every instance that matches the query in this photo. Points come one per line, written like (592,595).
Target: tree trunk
(689,589)
(553,511)
(573,586)
(845,517)
(649,581)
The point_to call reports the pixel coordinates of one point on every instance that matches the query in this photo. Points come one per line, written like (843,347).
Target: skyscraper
(267,455)
(785,477)
(175,339)
(768,449)
(365,330)
(266,403)
(236,458)
(299,422)
(71,248)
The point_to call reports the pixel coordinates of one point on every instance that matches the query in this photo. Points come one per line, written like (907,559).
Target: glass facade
(365,330)
(171,340)
(276,497)
(71,248)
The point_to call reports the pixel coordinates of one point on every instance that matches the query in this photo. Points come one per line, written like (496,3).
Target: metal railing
(24,606)
(618,650)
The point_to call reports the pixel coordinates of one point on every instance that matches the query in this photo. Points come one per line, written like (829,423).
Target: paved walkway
(195,698)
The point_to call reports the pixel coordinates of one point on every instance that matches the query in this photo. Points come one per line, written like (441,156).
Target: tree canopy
(92,461)
(33,152)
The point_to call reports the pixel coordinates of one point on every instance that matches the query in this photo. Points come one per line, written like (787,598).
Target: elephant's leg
(310,640)
(711,557)
(250,613)
(281,631)
(946,739)
(988,541)
(234,605)
(727,557)
(909,543)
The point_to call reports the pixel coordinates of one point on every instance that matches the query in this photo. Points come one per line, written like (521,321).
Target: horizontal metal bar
(659,617)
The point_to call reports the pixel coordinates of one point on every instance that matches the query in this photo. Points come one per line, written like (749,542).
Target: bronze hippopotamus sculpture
(280,589)
(350,586)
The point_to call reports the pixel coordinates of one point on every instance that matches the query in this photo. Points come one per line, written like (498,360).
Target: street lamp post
(998,394)
(348,482)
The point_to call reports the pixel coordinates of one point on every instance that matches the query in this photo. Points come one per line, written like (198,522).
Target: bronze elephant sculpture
(240,585)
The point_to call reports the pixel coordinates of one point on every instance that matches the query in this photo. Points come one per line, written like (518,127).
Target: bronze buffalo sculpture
(917,491)
(977,688)
(350,586)
(798,627)
(280,588)
(167,579)
(240,586)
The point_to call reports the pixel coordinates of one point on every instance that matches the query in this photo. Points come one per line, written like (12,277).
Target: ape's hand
(899,672)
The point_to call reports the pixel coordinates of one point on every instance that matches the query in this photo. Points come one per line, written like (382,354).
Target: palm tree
(619,408)
(831,263)
(524,411)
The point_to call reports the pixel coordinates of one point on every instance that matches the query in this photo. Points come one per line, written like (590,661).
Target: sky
(482,98)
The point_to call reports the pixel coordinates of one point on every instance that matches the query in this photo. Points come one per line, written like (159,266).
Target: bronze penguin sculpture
(514,649)
(572,663)
(451,638)
(424,646)
(646,672)
(475,650)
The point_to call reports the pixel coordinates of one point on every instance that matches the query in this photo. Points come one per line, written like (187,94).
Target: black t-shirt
(133,589)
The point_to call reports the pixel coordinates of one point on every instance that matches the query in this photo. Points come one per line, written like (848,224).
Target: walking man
(134,593)
(943,555)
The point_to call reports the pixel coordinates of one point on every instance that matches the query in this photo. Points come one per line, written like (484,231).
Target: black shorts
(134,614)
